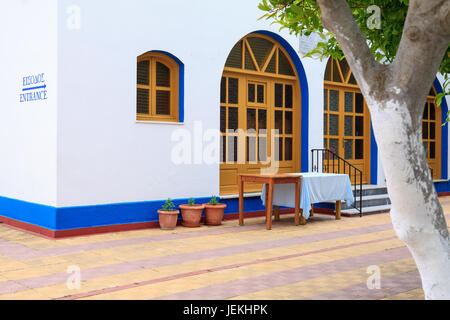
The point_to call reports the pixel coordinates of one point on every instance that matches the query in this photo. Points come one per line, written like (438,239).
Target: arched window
(260,92)
(347,121)
(157,88)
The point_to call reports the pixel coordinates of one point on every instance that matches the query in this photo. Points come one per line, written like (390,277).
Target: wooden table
(269,181)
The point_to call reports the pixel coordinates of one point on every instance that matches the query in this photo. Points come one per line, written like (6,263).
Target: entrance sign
(33,88)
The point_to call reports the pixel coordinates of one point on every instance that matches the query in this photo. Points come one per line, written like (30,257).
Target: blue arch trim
(304,90)
(181,83)
(373,157)
(444,133)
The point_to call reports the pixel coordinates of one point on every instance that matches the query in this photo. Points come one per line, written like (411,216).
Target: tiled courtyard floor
(326,259)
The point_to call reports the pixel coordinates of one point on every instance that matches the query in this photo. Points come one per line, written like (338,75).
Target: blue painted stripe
(251,204)
(325,205)
(443,186)
(111,214)
(77,217)
(137,212)
(304,90)
(28,212)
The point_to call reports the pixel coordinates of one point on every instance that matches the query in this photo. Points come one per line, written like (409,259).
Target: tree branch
(425,39)
(337,17)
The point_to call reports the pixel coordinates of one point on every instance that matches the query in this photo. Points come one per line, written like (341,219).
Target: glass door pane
(256,113)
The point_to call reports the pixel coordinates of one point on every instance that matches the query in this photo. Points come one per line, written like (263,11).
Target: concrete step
(367,210)
(371,201)
(370,190)
(375,199)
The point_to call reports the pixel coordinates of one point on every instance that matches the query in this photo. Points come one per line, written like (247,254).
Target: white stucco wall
(83,146)
(315,71)
(104,155)
(28,42)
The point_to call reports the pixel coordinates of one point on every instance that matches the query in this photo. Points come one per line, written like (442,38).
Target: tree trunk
(396,94)
(416,213)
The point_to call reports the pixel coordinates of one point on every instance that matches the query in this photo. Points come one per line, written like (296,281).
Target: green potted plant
(168,216)
(192,213)
(214,212)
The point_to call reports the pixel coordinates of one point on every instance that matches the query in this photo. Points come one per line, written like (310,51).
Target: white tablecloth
(315,188)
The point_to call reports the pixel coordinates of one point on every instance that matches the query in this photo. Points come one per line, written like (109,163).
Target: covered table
(315,187)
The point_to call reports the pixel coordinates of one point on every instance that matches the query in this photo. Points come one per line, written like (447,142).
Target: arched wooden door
(346,118)
(260,92)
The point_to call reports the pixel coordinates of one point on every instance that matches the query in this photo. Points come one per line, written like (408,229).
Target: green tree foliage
(303,17)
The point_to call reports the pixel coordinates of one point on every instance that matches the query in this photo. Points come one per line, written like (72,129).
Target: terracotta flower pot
(168,219)
(191,215)
(214,214)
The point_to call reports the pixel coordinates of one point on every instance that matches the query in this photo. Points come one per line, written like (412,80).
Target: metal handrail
(326,168)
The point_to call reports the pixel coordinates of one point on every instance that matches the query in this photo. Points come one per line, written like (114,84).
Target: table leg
(241,201)
(338,210)
(277,213)
(312,211)
(269,207)
(297,203)
(267,198)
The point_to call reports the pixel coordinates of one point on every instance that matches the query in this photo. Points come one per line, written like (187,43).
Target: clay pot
(168,219)
(214,214)
(191,215)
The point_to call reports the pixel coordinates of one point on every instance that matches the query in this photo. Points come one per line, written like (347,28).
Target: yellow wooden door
(347,130)
(258,122)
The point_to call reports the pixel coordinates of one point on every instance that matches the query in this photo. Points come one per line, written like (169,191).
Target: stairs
(375,199)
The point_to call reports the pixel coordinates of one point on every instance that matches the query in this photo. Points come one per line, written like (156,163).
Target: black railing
(332,163)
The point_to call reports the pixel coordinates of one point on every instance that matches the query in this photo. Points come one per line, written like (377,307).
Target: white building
(102,100)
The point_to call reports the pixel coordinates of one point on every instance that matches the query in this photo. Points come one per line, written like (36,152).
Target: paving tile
(324,259)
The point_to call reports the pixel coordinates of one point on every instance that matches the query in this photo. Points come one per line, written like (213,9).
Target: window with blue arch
(160,87)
